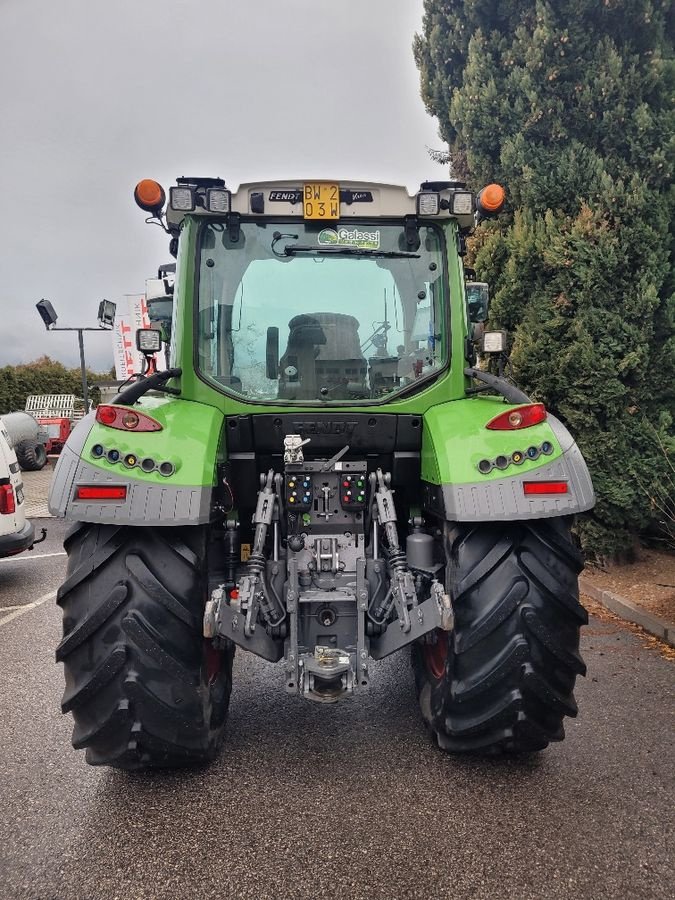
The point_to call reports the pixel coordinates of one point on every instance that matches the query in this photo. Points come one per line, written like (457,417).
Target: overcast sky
(98,94)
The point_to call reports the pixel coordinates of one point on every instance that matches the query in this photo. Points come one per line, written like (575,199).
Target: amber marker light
(490,200)
(150,196)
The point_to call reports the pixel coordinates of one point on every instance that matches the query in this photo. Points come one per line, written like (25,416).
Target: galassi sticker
(349,237)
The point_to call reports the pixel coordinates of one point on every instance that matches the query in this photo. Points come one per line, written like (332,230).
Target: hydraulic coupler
(235,617)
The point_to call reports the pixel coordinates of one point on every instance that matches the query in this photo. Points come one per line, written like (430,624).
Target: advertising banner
(131,316)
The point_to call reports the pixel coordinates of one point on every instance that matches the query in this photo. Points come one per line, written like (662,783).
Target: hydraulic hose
(130,394)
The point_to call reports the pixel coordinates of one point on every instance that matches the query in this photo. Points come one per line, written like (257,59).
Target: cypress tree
(569,106)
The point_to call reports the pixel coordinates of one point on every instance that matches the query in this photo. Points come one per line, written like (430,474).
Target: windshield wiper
(291,250)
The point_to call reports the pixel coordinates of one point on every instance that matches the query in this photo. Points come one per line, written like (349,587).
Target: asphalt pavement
(345,801)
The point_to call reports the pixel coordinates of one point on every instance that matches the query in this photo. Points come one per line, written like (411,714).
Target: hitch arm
(253,592)
(402,593)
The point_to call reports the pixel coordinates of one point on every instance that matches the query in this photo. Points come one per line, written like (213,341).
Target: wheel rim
(436,655)
(213,661)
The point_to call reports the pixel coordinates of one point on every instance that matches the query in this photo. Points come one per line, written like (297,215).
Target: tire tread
(514,655)
(132,647)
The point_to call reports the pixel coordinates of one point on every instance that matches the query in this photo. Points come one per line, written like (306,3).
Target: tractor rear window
(300,312)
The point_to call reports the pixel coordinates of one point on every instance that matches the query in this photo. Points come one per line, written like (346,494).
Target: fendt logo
(289,196)
(323,427)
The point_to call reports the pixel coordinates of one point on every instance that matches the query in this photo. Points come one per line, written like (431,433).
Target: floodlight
(428,203)
(148,340)
(47,313)
(494,342)
(106,313)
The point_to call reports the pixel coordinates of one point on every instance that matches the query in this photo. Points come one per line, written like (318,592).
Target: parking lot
(350,800)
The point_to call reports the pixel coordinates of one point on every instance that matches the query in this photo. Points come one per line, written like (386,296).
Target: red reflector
(545,487)
(125,419)
(520,417)
(7,502)
(101,492)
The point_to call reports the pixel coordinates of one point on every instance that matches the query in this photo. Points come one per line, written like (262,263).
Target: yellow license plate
(321,201)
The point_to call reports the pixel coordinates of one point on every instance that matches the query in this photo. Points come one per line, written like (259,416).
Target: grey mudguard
(146,503)
(61,487)
(504,499)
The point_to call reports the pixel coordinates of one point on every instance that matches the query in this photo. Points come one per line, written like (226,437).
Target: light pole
(106,320)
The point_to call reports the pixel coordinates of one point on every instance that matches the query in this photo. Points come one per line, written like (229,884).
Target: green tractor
(322,476)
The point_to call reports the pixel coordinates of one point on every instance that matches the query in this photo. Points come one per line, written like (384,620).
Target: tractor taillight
(101,492)
(7,501)
(105,415)
(125,419)
(545,487)
(521,417)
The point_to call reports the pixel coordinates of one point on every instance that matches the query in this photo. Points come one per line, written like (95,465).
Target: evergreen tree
(43,376)
(569,106)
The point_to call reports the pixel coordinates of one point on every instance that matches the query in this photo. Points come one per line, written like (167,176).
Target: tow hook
(40,539)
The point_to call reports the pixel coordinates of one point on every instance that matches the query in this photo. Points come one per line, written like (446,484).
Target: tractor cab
(318,292)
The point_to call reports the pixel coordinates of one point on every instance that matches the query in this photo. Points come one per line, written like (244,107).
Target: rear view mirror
(272,353)
(477,300)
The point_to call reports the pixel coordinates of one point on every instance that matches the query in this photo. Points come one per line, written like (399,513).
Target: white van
(16,534)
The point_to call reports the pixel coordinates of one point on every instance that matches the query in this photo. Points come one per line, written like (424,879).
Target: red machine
(58,414)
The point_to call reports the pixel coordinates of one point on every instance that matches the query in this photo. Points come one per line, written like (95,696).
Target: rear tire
(503,680)
(31,456)
(144,688)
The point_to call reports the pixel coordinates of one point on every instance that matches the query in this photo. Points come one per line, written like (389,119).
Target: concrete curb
(628,610)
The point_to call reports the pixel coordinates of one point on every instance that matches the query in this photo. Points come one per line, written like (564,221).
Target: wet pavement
(345,801)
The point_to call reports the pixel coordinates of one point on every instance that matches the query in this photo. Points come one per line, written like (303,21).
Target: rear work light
(7,501)
(182,199)
(148,340)
(125,419)
(101,492)
(521,417)
(545,487)
(218,200)
(493,342)
(462,203)
(428,203)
